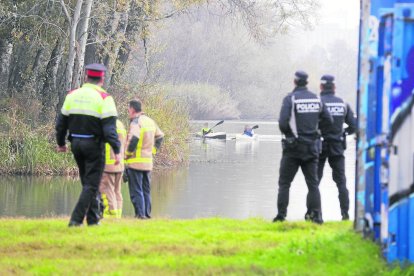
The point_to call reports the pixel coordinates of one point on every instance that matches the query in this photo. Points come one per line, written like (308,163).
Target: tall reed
(28,145)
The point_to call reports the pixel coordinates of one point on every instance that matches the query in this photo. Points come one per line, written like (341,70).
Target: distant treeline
(44,46)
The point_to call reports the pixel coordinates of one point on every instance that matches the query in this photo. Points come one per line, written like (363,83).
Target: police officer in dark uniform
(334,139)
(298,121)
(89,114)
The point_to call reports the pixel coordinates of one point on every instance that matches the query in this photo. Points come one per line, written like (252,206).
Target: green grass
(188,247)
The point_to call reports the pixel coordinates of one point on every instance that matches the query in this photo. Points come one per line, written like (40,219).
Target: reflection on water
(57,196)
(236,179)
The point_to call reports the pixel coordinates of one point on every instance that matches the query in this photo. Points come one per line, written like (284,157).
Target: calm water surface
(234,179)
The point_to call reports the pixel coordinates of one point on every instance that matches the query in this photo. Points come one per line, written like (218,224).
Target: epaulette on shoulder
(71,91)
(103,94)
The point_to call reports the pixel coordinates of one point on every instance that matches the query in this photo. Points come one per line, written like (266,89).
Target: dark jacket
(308,112)
(342,113)
(88,111)
(299,118)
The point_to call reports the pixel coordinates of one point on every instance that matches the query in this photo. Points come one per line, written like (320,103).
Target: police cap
(327,79)
(301,76)
(95,70)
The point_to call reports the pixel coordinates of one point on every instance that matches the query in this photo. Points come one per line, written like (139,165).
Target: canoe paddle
(219,123)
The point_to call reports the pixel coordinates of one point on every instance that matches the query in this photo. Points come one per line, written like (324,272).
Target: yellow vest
(89,100)
(147,131)
(110,166)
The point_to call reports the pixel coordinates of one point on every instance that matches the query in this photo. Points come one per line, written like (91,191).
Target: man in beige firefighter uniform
(144,139)
(111,181)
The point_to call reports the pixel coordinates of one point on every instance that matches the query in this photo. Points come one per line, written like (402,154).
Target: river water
(231,178)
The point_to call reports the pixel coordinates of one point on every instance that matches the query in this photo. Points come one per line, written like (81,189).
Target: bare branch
(164,16)
(62,3)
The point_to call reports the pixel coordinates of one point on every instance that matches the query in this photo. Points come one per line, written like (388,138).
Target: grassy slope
(203,246)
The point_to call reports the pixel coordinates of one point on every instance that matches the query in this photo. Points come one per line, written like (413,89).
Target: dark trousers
(337,164)
(140,192)
(90,158)
(288,168)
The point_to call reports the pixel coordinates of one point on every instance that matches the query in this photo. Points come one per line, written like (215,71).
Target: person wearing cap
(143,141)
(111,182)
(299,119)
(88,120)
(334,139)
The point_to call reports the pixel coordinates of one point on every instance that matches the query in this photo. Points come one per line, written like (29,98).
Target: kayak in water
(214,135)
(243,137)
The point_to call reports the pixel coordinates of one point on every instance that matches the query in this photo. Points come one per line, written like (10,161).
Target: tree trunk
(33,82)
(72,45)
(134,16)
(106,46)
(91,49)
(6,50)
(82,39)
(120,32)
(48,93)
(15,74)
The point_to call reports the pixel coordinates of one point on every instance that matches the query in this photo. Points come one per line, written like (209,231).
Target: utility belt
(300,145)
(74,136)
(335,142)
(82,136)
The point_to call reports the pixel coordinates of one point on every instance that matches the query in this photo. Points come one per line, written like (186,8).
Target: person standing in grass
(299,119)
(111,182)
(89,115)
(144,139)
(334,139)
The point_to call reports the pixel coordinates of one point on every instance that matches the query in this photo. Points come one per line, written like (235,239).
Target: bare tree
(82,39)
(73,24)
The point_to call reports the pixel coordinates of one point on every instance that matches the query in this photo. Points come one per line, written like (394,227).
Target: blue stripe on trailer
(384,164)
(411,228)
(391,251)
(369,165)
(402,238)
(398,246)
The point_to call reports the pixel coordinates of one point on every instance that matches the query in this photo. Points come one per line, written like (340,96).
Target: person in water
(248,131)
(205,130)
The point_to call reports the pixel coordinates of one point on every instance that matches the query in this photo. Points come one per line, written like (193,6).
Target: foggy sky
(337,20)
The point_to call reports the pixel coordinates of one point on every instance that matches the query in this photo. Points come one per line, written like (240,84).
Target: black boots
(74,224)
(314,216)
(279,218)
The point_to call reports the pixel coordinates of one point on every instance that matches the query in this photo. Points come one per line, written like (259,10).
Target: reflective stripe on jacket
(91,100)
(109,153)
(146,130)
(90,112)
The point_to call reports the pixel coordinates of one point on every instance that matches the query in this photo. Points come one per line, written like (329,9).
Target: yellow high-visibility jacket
(88,112)
(139,157)
(110,166)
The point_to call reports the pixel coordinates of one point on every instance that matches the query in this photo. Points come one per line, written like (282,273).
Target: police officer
(334,142)
(298,121)
(89,115)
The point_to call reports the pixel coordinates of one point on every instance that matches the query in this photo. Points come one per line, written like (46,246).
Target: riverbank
(188,247)
(28,144)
